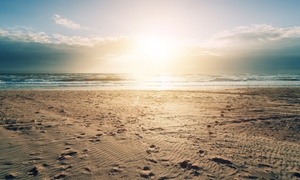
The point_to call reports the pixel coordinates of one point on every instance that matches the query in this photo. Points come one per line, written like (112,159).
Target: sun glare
(151,55)
(155,49)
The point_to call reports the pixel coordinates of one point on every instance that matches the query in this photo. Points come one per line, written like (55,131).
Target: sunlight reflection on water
(146,82)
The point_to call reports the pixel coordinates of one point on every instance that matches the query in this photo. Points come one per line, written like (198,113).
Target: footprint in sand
(33,172)
(297,175)
(222,161)
(146,173)
(201,152)
(86,170)
(116,169)
(7,163)
(99,134)
(85,151)
(10,176)
(65,167)
(80,136)
(96,138)
(61,176)
(67,154)
(187,165)
(152,161)
(152,149)
(62,111)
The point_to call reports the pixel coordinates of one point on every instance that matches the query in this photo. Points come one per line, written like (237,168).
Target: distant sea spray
(150,82)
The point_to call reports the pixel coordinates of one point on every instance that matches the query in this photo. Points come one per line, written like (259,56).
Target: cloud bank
(256,35)
(259,47)
(22,50)
(24,34)
(66,22)
(262,48)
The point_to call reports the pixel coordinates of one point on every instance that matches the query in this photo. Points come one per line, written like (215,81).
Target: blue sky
(100,36)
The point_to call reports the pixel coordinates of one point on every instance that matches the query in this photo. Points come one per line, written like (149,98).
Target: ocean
(145,82)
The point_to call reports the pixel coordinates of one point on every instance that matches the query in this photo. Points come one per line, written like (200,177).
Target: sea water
(146,82)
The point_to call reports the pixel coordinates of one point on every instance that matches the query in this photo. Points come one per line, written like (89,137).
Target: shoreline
(211,88)
(241,133)
(148,82)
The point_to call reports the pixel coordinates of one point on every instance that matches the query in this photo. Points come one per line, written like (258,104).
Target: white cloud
(24,34)
(3,32)
(260,34)
(72,40)
(66,22)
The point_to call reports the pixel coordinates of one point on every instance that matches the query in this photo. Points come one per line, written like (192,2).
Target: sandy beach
(246,133)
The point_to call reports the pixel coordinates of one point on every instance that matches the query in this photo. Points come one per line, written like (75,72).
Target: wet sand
(249,133)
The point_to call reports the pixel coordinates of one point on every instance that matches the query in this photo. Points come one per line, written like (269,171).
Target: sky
(157,36)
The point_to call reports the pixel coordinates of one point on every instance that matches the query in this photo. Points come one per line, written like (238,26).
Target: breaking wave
(158,81)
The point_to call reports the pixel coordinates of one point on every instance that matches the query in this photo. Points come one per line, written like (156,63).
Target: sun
(155,49)
(151,55)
